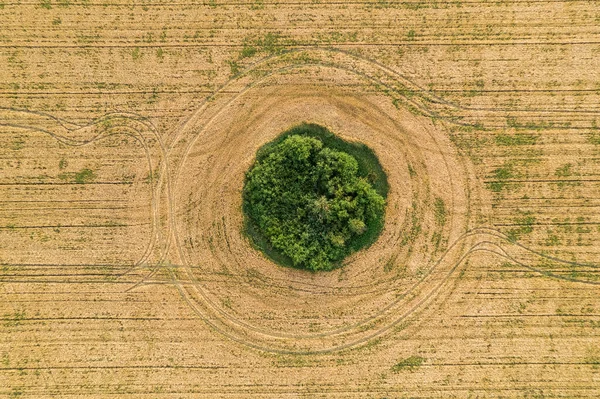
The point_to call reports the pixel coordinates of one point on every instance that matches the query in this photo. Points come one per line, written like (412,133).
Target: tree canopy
(308,201)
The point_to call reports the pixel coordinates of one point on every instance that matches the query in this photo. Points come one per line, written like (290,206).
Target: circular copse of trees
(311,198)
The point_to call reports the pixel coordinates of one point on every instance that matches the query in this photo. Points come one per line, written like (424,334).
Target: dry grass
(127,129)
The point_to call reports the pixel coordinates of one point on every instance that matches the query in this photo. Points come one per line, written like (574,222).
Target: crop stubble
(501,129)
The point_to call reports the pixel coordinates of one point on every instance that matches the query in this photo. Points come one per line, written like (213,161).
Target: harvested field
(126,131)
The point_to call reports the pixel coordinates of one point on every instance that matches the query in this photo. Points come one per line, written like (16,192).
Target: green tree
(309,202)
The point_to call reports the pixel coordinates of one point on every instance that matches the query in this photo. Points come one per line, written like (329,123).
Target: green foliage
(410,363)
(309,202)
(368,164)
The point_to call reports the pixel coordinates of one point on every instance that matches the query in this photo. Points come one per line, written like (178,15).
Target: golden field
(126,130)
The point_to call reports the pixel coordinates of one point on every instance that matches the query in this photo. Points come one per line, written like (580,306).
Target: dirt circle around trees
(244,295)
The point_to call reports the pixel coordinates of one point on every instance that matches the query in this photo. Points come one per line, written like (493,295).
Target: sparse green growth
(411,5)
(504,172)
(436,240)
(564,171)
(15,319)
(154,96)
(594,138)
(248,51)
(257,5)
(235,68)
(501,176)
(439,211)
(46,4)
(148,37)
(412,214)
(389,265)
(136,53)
(226,302)
(471,144)
(62,164)
(411,35)
(311,202)
(411,363)
(552,240)
(17,144)
(531,125)
(56,21)
(270,43)
(83,176)
(593,360)
(516,139)
(524,226)
(87,39)
(477,89)
(16,393)
(291,361)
